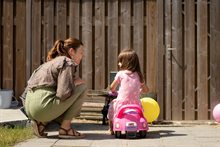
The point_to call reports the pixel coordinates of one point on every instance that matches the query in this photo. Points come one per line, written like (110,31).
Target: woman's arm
(78,81)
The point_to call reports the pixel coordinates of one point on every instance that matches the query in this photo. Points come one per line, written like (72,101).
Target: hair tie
(62,44)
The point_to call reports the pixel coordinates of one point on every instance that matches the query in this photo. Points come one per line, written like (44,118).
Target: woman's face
(77,54)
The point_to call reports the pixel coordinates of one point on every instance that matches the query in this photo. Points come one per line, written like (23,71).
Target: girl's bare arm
(113,85)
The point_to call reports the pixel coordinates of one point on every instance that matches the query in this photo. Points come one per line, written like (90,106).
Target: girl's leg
(111,127)
(110,117)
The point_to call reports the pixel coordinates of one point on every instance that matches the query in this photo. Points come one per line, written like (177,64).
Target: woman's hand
(79,81)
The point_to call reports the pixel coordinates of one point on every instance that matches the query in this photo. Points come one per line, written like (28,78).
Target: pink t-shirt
(129,91)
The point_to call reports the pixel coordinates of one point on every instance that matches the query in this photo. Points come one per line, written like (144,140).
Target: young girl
(131,83)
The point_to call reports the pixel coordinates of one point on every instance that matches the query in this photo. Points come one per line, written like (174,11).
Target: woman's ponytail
(56,50)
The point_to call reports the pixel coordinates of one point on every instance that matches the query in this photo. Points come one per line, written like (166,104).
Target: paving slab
(12,117)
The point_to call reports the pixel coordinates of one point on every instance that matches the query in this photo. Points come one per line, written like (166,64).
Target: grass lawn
(11,136)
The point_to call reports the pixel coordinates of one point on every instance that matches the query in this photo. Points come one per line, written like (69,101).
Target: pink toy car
(130,121)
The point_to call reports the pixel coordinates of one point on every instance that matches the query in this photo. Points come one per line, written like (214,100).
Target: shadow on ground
(97,131)
(162,133)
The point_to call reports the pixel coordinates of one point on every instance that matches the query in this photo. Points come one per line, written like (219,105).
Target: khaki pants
(42,104)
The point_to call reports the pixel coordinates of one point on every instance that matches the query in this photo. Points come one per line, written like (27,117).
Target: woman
(54,92)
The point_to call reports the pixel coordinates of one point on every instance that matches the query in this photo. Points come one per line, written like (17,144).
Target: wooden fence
(177,43)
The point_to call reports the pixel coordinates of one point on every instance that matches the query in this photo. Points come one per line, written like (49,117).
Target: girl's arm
(113,85)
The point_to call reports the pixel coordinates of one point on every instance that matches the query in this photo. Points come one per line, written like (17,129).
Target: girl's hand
(144,88)
(79,81)
(113,94)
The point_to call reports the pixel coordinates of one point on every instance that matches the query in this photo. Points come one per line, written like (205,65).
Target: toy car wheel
(143,134)
(117,134)
(131,134)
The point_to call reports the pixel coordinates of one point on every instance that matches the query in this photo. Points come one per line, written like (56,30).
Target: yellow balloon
(151,109)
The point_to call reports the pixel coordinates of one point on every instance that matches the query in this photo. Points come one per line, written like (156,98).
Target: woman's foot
(38,128)
(70,134)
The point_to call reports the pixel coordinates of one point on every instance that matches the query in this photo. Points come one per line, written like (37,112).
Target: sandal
(75,135)
(36,128)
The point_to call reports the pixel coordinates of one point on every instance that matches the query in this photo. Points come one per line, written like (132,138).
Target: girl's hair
(129,61)
(61,48)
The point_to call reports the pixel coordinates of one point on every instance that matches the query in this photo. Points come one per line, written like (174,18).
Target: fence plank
(151,52)
(28,39)
(7,58)
(87,31)
(189,92)
(168,88)
(99,75)
(177,65)
(20,52)
(74,18)
(61,20)
(36,36)
(1,46)
(202,60)
(160,58)
(48,27)
(74,22)
(112,36)
(215,53)
(138,25)
(125,24)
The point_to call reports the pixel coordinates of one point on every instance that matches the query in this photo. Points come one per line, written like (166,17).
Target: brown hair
(61,48)
(129,61)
